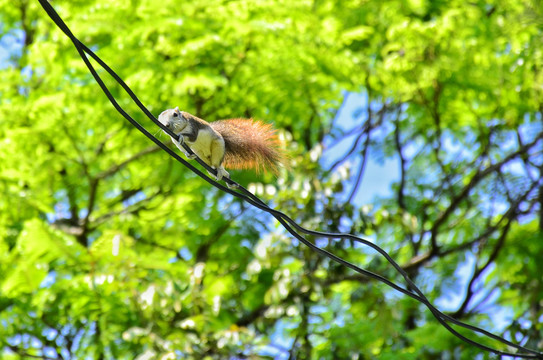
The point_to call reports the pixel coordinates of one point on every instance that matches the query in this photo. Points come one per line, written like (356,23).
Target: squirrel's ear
(176,108)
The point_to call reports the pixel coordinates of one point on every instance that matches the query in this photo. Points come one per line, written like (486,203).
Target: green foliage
(109,249)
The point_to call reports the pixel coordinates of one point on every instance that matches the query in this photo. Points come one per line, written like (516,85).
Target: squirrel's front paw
(191,156)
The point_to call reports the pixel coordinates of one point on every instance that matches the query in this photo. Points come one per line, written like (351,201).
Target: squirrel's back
(249,144)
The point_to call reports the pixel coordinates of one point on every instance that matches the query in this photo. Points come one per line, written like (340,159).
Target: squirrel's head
(173,119)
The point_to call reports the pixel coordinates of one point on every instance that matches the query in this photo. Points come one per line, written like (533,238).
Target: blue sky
(377,177)
(10,44)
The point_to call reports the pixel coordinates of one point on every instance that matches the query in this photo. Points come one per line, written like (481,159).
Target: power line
(413,291)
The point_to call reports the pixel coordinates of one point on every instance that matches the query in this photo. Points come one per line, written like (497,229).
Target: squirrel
(234,143)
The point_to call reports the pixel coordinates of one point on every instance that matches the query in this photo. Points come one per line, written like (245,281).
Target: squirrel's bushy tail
(249,144)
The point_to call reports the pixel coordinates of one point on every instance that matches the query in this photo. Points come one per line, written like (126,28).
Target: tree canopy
(110,249)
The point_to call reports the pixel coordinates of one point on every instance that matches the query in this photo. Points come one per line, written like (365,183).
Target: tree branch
(480,175)
(399,149)
(115,168)
(364,155)
(479,270)
(510,215)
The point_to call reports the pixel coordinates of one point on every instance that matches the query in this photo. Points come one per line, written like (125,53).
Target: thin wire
(281,217)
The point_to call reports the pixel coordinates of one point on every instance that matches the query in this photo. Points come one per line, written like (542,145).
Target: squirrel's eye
(175,114)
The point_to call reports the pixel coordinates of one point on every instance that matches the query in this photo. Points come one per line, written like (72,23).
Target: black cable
(281,217)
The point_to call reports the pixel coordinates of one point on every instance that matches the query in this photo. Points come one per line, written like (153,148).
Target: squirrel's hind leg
(216,157)
(221,173)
